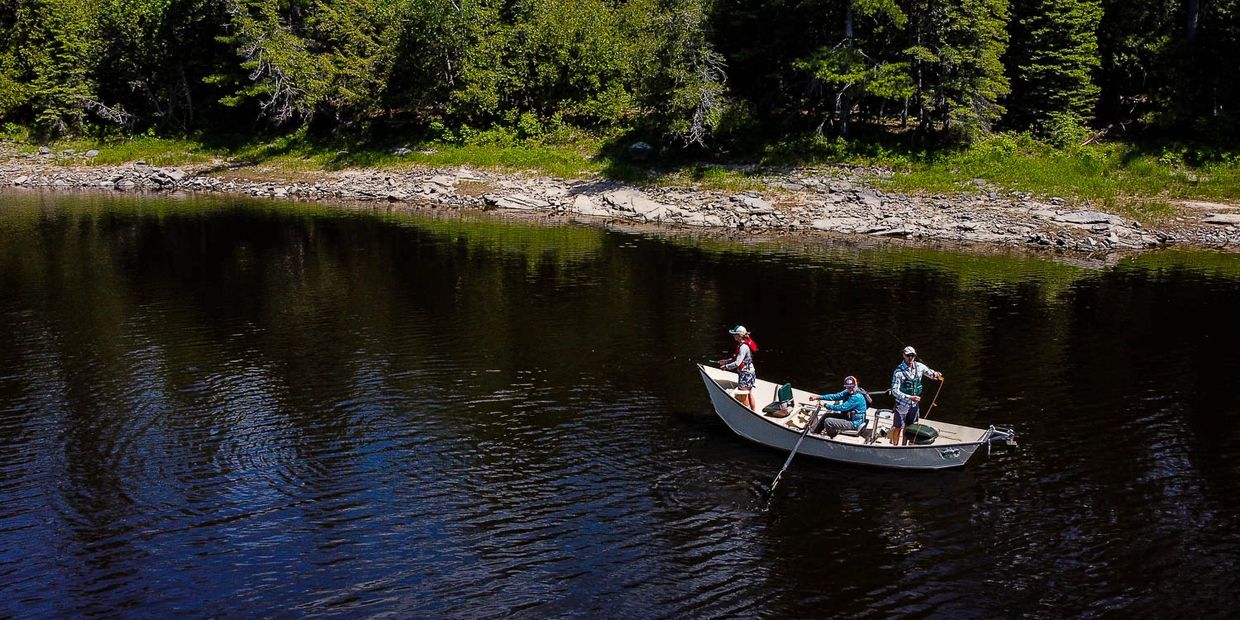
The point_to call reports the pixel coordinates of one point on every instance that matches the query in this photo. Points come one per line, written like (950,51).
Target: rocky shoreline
(820,200)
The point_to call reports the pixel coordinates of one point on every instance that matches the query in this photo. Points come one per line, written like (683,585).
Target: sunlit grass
(563,162)
(1114,176)
(1117,177)
(154,151)
(296,154)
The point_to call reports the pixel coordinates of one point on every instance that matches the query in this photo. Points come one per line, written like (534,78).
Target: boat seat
(782,402)
(882,419)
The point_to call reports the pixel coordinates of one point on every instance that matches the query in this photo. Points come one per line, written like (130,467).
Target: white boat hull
(953,447)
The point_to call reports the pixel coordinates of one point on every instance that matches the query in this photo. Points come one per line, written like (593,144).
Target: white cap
(739,330)
(910,351)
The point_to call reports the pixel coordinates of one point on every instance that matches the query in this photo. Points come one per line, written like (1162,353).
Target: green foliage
(286,78)
(55,41)
(851,72)
(154,151)
(681,75)
(850,69)
(957,56)
(1061,129)
(355,38)
(713,76)
(14,93)
(1054,57)
(579,61)
(1120,177)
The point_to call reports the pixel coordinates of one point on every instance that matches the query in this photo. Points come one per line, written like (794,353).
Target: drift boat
(941,445)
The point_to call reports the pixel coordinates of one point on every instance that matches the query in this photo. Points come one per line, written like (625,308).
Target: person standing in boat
(742,362)
(906,388)
(848,413)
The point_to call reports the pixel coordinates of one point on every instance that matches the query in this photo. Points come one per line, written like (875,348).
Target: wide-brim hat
(739,330)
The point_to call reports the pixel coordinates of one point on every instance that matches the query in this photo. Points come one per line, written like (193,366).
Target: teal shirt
(854,403)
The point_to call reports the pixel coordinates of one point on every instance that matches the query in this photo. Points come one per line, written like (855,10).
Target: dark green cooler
(920,434)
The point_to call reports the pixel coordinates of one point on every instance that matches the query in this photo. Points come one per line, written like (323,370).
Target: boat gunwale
(874,445)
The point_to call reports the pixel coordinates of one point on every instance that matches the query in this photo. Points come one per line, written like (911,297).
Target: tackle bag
(920,434)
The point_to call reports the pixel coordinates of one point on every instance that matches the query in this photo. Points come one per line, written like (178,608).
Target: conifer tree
(850,71)
(56,43)
(688,90)
(956,53)
(1053,58)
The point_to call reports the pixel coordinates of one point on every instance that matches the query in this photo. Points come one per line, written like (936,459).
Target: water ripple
(270,412)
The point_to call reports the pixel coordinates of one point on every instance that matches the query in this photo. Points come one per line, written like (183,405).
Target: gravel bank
(807,201)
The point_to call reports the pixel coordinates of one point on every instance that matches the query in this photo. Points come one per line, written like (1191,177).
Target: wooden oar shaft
(808,425)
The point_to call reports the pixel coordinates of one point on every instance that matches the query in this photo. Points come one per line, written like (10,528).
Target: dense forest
(706,75)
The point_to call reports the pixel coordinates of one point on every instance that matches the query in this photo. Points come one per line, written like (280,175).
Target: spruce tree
(1053,58)
(860,67)
(55,41)
(956,52)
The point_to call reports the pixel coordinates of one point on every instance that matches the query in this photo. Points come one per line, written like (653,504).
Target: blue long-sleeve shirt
(853,404)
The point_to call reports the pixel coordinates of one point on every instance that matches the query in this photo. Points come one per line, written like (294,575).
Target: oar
(813,418)
(936,397)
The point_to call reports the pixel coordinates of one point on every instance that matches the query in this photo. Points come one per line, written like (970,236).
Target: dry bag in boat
(920,434)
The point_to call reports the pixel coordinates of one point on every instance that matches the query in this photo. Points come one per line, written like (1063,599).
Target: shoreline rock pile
(825,200)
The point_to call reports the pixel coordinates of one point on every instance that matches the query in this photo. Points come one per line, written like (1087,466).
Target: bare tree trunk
(920,92)
(189,100)
(842,104)
(1194,16)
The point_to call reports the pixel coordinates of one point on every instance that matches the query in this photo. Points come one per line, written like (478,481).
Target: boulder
(753,204)
(870,199)
(697,218)
(582,204)
(1088,217)
(443,181)
(522,202)
(838,224)
(1226,219)
(640,151)
(664,213)
(631,201)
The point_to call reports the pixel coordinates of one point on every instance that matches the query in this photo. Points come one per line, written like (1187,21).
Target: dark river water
(249,409)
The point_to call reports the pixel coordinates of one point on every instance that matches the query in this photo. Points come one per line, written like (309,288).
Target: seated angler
(846,414)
